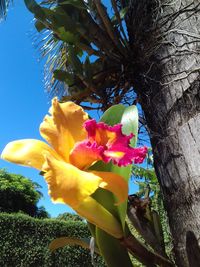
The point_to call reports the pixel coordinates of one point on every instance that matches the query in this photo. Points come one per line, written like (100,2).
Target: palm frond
(3,8)
(87,44)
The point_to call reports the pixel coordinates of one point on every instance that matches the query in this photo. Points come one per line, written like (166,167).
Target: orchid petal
(116,144)
(85,153)
(67,184)
(64,127)
(27,152)
(114,183)
(101,133)
(122,156)
(107,135)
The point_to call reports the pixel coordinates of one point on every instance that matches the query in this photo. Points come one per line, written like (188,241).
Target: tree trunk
(165,39)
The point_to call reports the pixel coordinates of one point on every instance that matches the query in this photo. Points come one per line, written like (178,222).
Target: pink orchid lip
(85,153)
(125,156)
(106,143)
(115,146)
(114,133)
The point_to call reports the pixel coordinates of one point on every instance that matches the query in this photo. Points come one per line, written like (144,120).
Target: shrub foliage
(25,240)
(20,194)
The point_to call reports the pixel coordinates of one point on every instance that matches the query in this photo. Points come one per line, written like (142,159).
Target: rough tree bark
(165,40)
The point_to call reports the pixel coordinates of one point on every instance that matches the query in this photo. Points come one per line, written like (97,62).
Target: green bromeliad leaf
(128,116)
(130,123)
(114,254)
(113,115)
(111,249)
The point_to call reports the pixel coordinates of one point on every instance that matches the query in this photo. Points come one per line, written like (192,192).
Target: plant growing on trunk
(144,52)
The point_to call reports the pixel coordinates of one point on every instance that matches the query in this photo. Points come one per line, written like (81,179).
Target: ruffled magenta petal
(90,126)
(106,135)
(123,156)
(114,144)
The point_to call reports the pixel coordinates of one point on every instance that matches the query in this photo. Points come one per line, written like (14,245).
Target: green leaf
(76,3)
(59,75)
(130,123)
(34,8)
(106,198)
(62,19)
(113,115)
(128,116)
(39,26)
(148,174)
(64,241)
(75,61)
(113,252)
(63,76)
(66,36)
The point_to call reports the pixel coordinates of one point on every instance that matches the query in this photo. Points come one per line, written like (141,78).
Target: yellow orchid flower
(75,143)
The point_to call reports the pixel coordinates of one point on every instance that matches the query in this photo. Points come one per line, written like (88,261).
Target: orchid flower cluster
(74,144)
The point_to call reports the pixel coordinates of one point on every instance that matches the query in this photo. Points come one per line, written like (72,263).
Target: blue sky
(24,102)
(23,99)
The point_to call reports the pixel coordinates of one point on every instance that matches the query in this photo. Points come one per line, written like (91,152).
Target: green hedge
(24,242)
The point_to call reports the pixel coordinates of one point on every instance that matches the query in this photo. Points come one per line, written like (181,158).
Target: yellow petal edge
(27,152)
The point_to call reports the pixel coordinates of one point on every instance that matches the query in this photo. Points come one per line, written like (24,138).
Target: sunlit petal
(114,183)
(28,152)
(64,126)
(67,184)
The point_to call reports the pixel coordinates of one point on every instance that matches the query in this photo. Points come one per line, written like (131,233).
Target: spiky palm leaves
(3,8)
(88,50)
